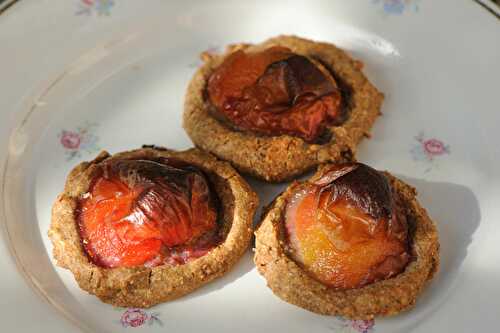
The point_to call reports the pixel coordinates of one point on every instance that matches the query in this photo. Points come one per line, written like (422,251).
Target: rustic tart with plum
(277,109)
(150,225)
(350,241)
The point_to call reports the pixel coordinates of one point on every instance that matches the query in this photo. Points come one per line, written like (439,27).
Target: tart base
(388,297)
(143,286)
(279,158)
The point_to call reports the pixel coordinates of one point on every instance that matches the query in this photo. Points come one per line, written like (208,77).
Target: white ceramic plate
(80,76)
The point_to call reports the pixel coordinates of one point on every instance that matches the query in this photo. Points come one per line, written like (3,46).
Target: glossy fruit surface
(275,92)
(140,212)
(345,229)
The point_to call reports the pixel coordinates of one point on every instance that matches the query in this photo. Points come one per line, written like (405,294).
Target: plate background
(95,71)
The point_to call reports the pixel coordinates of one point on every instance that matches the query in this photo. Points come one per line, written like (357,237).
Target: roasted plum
(346,228)
(275,92)
(142,212)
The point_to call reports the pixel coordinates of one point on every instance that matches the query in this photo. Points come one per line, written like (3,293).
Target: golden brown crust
(283,157)
(143,286)
(387,297)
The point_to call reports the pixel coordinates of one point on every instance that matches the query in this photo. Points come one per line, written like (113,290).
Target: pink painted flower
(434,147)
(79,140)
(71,140)
(362,326)
(134,317)
(88,7)
(428,149)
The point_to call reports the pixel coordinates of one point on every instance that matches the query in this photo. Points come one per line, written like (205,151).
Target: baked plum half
(346,228)
(142,212)
(275,92)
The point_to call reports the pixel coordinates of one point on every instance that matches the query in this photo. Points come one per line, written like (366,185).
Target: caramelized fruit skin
(275,92)
(346,229)
(140,212)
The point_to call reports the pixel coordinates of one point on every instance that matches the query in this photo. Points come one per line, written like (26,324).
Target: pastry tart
(279,108)
(350,241)
(150,225)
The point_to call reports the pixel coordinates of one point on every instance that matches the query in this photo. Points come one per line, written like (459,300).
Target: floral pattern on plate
(398,7)
(80,140)
(428,149)
(134,317)
(353,326)
(89,7)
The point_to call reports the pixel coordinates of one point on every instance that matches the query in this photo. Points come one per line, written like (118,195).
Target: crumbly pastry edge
(279,158)
(388,297)
(142,286)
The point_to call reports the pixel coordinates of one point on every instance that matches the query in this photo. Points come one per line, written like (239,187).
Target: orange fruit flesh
(254,98)
(338,243)
(116,232)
